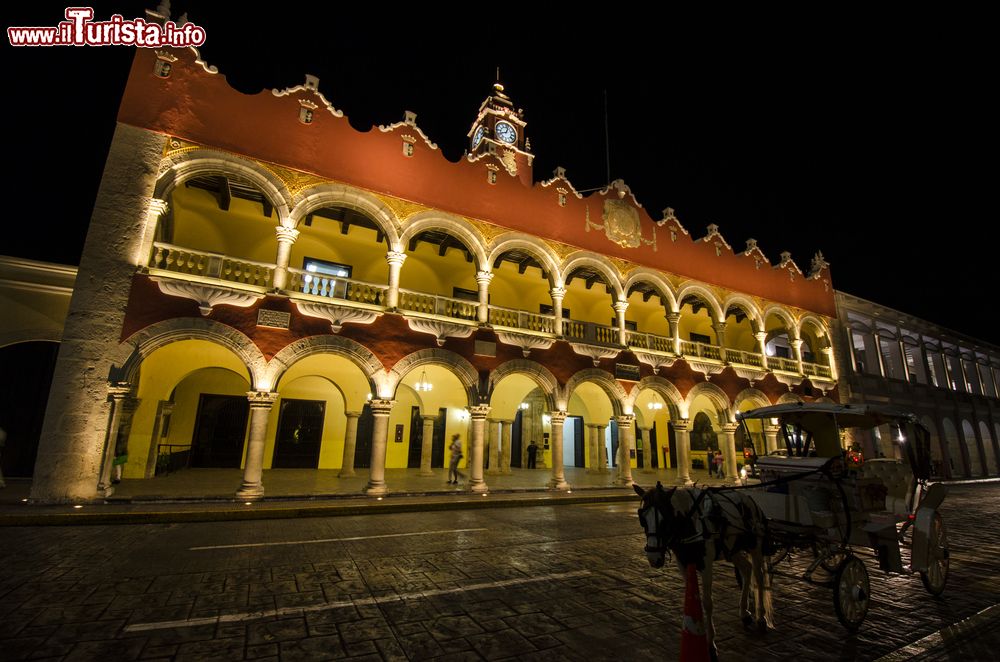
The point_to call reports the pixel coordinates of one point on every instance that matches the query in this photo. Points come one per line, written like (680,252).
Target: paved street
(565,582)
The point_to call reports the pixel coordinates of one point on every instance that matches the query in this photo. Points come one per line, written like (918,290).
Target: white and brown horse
(701,526)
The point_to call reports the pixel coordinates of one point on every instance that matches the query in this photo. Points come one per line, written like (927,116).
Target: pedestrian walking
(532,454)
(456,457)
(719,470)
(710,461)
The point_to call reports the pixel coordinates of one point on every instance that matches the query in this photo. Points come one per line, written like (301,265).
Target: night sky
(869,137)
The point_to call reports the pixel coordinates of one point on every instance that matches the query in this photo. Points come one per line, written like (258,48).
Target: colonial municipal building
(308,296)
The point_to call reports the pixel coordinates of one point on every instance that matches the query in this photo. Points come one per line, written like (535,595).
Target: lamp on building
(655,406)
(525,406)
(423,384)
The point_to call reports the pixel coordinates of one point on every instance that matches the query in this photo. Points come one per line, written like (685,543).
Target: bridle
(652,519)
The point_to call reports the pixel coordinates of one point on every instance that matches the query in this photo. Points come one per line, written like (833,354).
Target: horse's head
(655,516)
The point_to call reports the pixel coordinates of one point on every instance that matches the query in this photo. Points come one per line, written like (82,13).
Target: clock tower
(498,132)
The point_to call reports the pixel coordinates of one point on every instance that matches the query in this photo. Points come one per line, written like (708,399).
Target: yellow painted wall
(740,336)
(700,323)
(593,305)
(160,373)
(351,382)
(526,291)
(358,248)
(447,392)
(508,395)
(425,271)
(312,387)
(651,316)
(242,232)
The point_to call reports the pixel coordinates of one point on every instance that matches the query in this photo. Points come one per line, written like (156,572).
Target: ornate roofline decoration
(161,15)
(559,174)
(622,189)
(410,120)
(311,85)
(817,267)
(754,251)
(622,225)
(714,237)
(788,263)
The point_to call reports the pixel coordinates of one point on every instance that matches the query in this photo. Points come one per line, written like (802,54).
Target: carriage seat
(898,480)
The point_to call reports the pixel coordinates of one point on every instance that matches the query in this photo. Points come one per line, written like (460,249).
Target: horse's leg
(764,580)
(740,562)
(757,567)
(706,601)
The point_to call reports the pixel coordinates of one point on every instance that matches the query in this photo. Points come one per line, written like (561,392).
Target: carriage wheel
(936,575)
(851,592)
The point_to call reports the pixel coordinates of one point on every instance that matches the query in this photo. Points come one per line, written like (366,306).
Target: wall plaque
(273,318)
(627,372)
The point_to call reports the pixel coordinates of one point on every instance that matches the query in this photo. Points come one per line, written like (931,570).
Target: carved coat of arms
(621,223)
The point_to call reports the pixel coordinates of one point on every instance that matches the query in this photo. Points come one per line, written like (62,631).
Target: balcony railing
(210,265)
(745,358)
(701,350)
(589,332)
(781,363)
(650,341)
(346,289)
(816,370)
(432,304)
(522,320)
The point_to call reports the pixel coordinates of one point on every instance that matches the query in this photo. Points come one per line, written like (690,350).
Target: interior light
(247,503)
(525,405)
(78,506)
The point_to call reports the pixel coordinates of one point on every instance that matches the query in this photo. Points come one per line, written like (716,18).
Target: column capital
(557,292)
(673,317)
(381,407)
(395,257)
(286,235)
(157,207)
(682,424)
(484,277)
(479,411)
(719,326)
(771,429)
(620,306)
(729,428)
(559,416)
(593,425)
(760,336)
(625,420)
(428,417)
(352,414)
(118,391)
(262,399)
(506,421)
(795,342)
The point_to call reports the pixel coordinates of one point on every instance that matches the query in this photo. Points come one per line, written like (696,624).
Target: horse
(701,526)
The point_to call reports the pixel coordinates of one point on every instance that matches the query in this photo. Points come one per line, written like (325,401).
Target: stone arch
(791,327)
(525,242)
(536,371)
(748,307)
(753,395)
(662,387)
(129,355)
(356,353)
(602,378)
(325,195)
(177,169)
(989,447)
(598,262)
(954,445)
(820,326)
(968,433)
(447,359)
(703,293)
(30,335)
(655,279)
(716,396)
(460,228)
(789,398)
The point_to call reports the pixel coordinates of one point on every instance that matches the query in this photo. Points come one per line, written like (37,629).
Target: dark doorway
(219,431)
(515,440)
(300,434)
(672,443)
(416,439)
(22,402)
(579,443)
(639,443)
(363,442)
(654,454)
(613,460)
(437,446)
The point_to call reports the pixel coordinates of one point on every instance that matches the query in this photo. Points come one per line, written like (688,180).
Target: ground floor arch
(975,467)
(956,461)
(989,446)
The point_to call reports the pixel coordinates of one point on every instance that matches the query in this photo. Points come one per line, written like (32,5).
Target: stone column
(483,278)
(682,429)
(770,438)
(493,439)
(674,319)
(506,428)
(647,451)
(626,441)
(828,353)
(286,237)
(592,448)
(728,443)
(557,294)
(116,395)
(381,409)
(427,445)
(476,482)
(602,449)
(260,410)
(620,308)
(164,409)
(558,481)
(720,337)
(878,354)
(395,260)
(350,442)
(761,337)
(796,344)
(157,208)
(68,466)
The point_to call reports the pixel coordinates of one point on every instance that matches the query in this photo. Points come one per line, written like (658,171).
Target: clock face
(506,133)
(478,137)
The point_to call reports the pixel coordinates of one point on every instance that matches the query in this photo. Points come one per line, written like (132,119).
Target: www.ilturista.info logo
(79,29)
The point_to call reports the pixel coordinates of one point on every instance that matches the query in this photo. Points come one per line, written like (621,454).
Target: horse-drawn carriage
(816,498)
